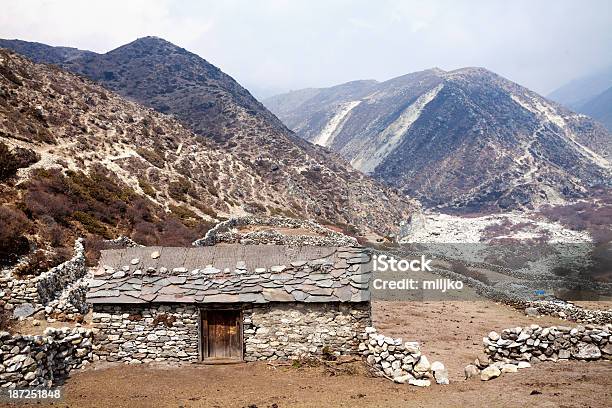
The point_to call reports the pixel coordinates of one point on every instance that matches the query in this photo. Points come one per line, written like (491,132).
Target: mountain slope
(465,139)
(579,91)
(77,159)
(600,108)
(303,179)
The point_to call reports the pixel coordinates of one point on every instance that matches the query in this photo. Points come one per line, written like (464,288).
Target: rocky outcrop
(43,361)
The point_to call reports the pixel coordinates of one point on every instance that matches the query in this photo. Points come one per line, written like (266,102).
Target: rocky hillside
(77,159)
(316,182)
(465,139)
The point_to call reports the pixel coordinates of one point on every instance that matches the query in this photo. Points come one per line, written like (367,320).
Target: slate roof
(231,274)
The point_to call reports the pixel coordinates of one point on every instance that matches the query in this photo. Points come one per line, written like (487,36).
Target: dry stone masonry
(290,331)
(399,361)
(142,334)
(27,296)
(521,347)
(293,301)
(313,234)
(43,361)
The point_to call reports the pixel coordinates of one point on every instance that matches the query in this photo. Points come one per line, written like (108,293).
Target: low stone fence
(521,347)
(43,361)
(321,236)
(26,296)
(399,361)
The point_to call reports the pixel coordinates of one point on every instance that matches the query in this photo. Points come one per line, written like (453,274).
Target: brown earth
(449,331)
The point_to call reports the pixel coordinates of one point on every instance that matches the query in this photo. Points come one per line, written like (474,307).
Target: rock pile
(43,361)
(520,347)
(399,361)
(569,311)
(315,234)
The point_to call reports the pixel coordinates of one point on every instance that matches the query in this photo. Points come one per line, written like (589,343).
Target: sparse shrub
(151,156)
(13,243)
(91,224)
(180,188)
(147,188)
(187,216)
(40,261)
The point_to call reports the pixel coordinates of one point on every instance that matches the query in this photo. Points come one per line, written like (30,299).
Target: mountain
(43,53)
(600,108)
(579,91)
(78,159)
(467,139)
(295,176)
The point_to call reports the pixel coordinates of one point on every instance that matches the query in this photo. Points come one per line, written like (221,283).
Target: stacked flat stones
(399,361)
(226,231)
(27,296)
(520,347)
(568,311)
(342,275)
(43,361)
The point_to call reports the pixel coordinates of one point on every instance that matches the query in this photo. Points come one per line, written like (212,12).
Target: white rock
(509,368)
(489,373)
(419,383)
(523,364)
(494,336)
(423,365)
(436,366)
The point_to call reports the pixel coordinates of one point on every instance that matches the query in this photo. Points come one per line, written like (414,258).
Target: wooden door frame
(203,331)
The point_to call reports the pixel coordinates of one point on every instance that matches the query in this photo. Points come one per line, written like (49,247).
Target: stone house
(229,303)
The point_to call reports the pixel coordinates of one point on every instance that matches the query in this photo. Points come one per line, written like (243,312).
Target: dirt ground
(449,331)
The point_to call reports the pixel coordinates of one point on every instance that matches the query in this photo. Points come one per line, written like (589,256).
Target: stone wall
(535,343)
(26,296)
(227,232)
(140,334)
(399,361)
(521,347)
(290,330)
(34,361)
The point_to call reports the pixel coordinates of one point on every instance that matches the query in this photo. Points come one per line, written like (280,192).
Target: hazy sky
(271,46)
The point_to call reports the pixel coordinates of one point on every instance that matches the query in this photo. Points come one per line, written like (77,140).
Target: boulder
(509,368)
(419,383)
(23,311)
(490,373)
(586,351)
(532,312)
(423,365)
(523,364)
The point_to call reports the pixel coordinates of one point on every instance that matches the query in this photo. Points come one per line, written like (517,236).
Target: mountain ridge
(417,132)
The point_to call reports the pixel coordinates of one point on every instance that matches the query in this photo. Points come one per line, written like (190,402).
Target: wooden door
(222,335)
